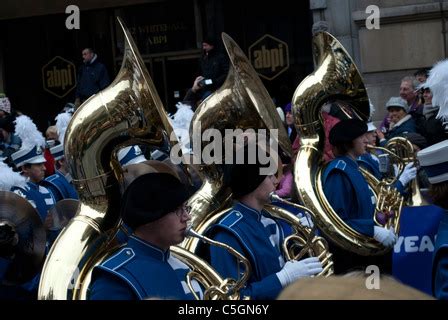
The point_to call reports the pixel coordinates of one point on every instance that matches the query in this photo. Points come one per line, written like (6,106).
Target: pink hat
(5,105)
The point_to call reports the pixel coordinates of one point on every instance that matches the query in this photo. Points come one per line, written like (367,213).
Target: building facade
(39,55)
(411,36)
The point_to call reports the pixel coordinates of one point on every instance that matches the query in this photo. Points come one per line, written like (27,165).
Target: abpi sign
(269,56)
(59,76)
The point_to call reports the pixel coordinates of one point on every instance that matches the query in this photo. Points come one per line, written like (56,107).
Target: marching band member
(130,155)
(154,207)
(371,162)
(30,160)
(256,235)
(60,182)
(348,192)
(434,161)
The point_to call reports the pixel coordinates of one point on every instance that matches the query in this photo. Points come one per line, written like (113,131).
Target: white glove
(386,236)
(293,270)
(305,220)
(396,171)
(409,173)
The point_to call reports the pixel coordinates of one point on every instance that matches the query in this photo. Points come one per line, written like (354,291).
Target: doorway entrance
(173,76)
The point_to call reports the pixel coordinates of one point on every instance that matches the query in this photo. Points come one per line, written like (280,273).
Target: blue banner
(412,256)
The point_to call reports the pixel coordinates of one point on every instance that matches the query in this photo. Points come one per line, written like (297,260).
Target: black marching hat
(243,178)
(150,197)
(346,131)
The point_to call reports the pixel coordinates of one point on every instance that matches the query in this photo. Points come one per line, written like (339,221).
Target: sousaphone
(242,102)
(336,79)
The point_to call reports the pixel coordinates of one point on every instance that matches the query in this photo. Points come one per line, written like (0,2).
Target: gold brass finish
(336,78)
(243,103)
(404,149)
(127,112)
(388,200)
(61,213)
(303,238)
(227,289)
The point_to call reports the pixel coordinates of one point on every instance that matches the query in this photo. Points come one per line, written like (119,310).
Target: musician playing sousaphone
(349,194)
(154,208)
(253,232)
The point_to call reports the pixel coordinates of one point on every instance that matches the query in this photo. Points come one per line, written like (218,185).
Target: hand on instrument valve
(386,236)
(305,220)
(294,270)
(8,241)
(409,173)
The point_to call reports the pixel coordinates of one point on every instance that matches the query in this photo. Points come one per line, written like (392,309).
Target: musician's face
(371,137)
(170,229)
(268,185)
(359,145)
(396,114)
(35,172)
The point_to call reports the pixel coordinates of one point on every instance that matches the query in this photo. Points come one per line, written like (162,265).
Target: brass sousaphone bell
(336,78)
(128,112)
(242,103)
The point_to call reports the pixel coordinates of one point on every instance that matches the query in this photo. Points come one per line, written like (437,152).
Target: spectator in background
(214,68)
(9,142)
(5,106)
(285,184)
(408,92)
(51,136)
(289,120)
(401,121)
(421,75)
(430,127)
(92,77)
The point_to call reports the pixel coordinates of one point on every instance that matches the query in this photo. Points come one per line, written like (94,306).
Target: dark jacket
(214,66)
(405,125)
(92,78)
(431,128)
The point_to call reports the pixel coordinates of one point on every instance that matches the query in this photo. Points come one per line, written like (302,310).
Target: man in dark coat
(92,77)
